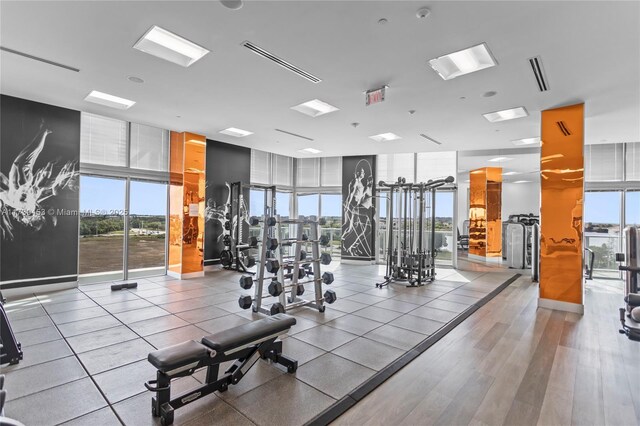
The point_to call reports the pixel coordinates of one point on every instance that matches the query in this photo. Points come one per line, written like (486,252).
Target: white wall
(520,198)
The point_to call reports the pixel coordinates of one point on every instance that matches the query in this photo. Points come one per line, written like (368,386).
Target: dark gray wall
(225,163)
(358,207)
(39,158)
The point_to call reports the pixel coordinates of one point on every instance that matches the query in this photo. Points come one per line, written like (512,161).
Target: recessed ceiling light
(315,108)
(526,141)
(463,62)
(135,79)
(522,181)
(500,159)
(510,173)
(506,114)
(310,150)
(489,94)
(238,133)
(385,137)
(109,100)
(170,47)
(382,21)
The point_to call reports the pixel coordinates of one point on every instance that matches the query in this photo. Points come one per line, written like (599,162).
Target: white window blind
(308,174)
(392,166)
(603,162)
(282,170)
(260,167)
(149,148)
(435,165)
(103,140)
(331,171)
(633,161)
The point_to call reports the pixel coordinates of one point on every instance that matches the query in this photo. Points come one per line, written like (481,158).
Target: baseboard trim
(362,262)
(16,292)
(180,276)
(559,305)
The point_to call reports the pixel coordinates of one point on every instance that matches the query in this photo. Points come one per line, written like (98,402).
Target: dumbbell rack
(290,299)
(261,270)
(294,301)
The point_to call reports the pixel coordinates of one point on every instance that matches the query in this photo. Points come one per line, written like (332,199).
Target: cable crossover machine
(411,217)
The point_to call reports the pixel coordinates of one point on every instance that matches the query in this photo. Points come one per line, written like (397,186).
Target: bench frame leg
(163,406)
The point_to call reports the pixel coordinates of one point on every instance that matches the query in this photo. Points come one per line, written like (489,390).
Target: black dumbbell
(276,288)
(330,296)
(272,243)
(226,240)
(327,277)
(227,225)
(301,274)
(246,281)
(277,308)
(245,301)
(272,265)
(254,221)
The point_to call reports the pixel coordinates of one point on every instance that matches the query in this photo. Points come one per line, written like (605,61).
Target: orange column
(562,187)
(186,205)
(485,213)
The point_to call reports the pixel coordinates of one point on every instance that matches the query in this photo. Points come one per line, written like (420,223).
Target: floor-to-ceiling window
(602,228)
(102,215)
(123,199)
(147,228)
(445,244)
(331,212)
(632,208)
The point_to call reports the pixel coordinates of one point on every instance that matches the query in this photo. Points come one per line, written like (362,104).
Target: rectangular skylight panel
(111,101)
(385,137)
(506,114)
(238,133)
(310,151)
(463,62)
(315,108)
(170,47)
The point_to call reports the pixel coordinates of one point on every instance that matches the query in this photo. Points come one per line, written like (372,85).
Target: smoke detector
(423,13)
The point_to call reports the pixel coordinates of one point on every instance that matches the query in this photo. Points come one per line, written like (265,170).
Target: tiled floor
(85,349)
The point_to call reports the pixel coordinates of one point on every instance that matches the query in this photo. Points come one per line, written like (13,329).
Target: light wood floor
(511,363)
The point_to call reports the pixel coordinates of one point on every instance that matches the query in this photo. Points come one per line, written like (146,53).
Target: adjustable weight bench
(245,344)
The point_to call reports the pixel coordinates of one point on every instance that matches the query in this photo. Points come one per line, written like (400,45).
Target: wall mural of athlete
(218,213)
(357,227)
(24,190)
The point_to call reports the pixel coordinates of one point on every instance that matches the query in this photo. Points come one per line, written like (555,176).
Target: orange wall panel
(485,212)
(186,203)
(562,195)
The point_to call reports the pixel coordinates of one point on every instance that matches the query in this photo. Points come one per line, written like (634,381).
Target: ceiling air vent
(538,72)
(35,58)
(293,134)
(430,139)
(270,56)
(563,128)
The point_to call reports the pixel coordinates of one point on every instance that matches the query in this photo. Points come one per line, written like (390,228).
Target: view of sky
(108,195)
(151,199)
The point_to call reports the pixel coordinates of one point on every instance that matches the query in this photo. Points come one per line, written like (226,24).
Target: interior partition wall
(123,199)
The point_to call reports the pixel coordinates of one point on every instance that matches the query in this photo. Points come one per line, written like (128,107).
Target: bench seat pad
(249,333)
(179,355)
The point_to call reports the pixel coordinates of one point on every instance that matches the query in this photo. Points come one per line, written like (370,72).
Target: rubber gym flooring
(86,348)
